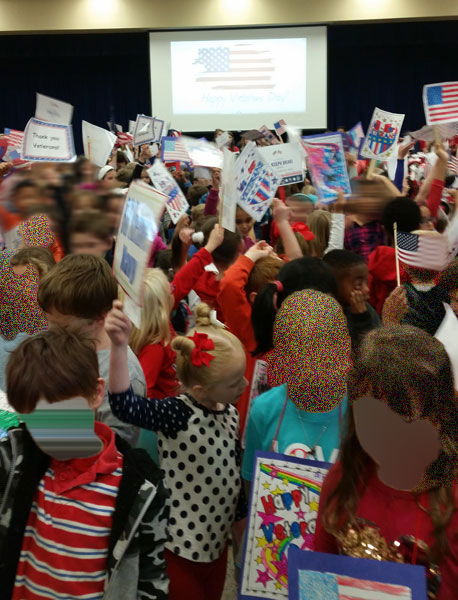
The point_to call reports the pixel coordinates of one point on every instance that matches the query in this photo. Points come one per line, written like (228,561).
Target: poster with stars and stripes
(283,509)
(383,134)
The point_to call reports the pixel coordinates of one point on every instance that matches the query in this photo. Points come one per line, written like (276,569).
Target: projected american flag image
(242,66)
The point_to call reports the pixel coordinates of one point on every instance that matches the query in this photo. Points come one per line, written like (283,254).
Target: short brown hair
(80,285)
(53,365)
(91,222)
(41,258)
(265,270)
(228,251)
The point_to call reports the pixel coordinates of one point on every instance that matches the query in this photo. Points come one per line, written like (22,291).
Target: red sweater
(158,364)
(382,275)
(191,275)
(395,513)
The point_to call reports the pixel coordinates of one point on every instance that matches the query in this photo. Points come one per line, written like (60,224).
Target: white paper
(228,191)
(176,204)
(426,133)
(223,140)
(98,143)
(447,334)
(131,126)
(48,142)
(133,311)
(202,173)
(202,153)
(118,127)
(286,159)
(147,130)
(53,111)
(382,135)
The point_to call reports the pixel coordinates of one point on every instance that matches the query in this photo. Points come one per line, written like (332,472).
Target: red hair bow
(199,356)
(304,230)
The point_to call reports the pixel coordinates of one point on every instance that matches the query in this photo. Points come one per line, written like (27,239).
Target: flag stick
(396,251)
(437,137)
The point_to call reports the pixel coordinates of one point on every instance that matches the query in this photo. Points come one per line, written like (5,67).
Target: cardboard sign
(283,509)
(52,110)
(257,182)
(202,153)
(228,191)
(270,137)
(98,143)
(314,575)
(147,130)
(327,163)
(382,135)
(48,142)
(176,204)
(286,159)
(137,232)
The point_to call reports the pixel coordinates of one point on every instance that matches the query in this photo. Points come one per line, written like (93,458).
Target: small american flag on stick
(427,250)
(441,102)
(453,165)
(280,127)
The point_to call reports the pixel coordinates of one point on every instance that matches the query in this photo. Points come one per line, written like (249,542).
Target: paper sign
(447,334)
(446,131)
(327,164)
(270,137)
(176,204)
(48,142)
(202,153)
(202,173)
(382,135)
(147,130)
(52,110)
(259,385)
(286,159)
(283,510)
(137,232)
(356,134)
(257,182)
(440,102)
(316,575)
(228,190)
(98,143)
(223,140)
(131,126)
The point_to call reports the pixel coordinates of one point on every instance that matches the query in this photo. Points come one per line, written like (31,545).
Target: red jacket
(382,275)
(158,364)
(190,274)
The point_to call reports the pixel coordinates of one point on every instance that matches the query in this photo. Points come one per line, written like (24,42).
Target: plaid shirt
(363,239)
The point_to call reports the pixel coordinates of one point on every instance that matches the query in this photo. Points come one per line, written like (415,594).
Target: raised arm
(281,215)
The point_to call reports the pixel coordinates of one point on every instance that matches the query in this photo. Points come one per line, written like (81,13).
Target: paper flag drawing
(176,204)
(382,135)
(98,143)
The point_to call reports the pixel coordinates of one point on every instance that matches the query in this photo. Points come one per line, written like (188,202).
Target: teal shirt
(296,436)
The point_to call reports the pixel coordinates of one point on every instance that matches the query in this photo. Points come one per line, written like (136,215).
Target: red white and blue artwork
(382,135)
(440,101)
(314,575)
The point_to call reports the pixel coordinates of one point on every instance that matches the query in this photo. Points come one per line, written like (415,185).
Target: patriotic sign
(13,153)
(98,143)
(282,514)
(382,135)
(280,127)
(176,204)
(425,249)
(174,150)
(257,182)
(48,142)
(441,102)
(147,130)
(228,191)
(270,137)
(286,159)
(124,138)
(356,134)
(52,110)
(453,165)
(202,153)
(427,132)
(314,575)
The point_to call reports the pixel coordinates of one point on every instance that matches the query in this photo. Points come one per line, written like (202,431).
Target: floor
(230,588)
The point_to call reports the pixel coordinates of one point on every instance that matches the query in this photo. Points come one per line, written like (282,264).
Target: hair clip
(279,286)
(200,356)
(214,320)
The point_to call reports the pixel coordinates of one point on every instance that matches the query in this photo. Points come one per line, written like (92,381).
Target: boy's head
(72,371)
(89,233)
(77,292)
(403,211)
(229,250)
(114,205)
(265,270)
(351,273)
(26,194)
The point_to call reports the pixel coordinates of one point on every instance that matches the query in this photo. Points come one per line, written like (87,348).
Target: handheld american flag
(453,165)
(425,250)
(441,102)
(280,127)
(174,150)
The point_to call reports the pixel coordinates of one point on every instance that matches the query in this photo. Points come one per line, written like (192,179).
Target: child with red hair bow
(198,439)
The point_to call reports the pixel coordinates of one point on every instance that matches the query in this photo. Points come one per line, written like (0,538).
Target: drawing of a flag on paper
(441,102)
(313,585)
(243,66)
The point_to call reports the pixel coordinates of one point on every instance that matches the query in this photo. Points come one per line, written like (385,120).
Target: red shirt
(395,513)
(158,364)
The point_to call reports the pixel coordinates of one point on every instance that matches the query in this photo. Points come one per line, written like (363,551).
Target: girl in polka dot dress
(198,438)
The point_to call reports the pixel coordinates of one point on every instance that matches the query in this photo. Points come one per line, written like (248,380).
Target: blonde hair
(41,258)
(226,346)
(155,324)
(319,223)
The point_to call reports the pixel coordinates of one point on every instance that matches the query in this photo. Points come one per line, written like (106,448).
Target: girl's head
(84,170)
(243,221)
(300,274)
(301,207)
(210,367)
(107,178)
(311,351)
(85,200)
(265,270)
(319,223)
(157,304)
(114,204)
(41,259)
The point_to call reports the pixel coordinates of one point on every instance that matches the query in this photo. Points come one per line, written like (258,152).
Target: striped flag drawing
(280,127)
(441,102)
(174,150)
(243,66)
(15,138)
(453,165)
(429,250)
(124,138)
(331,586)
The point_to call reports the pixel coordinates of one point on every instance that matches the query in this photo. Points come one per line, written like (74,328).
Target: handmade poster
(228,191)
(48,142)
(202,153)
(98,143)
(147,130)
(259,385)
(223,140)
(382,135)
(316,575)
(13,139)
(138,229)
(427,133)
(440,101)
(282,514)
(327,164)
(52,110)
(176,203)
(286,159)
(257,182)
(356,134)
(270,137)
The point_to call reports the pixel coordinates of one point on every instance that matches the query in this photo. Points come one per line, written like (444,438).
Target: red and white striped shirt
(65,546)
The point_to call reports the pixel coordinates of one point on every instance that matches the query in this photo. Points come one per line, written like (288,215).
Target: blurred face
(231,386)
(300,211)
(84,202)
(109,182)
(354,279)
(87,171)
(86,243)
(145,177)
(25,199)
(114,211)
(243,221)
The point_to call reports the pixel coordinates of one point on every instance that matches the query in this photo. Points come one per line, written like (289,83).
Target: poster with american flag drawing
(257,76)
(383,134)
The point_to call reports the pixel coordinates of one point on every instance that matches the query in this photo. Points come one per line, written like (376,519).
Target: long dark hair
(410,371)
(300,274)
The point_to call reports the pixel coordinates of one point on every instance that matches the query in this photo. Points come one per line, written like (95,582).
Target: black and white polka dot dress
(199,453)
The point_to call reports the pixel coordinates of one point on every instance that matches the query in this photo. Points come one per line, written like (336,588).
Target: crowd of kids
(302,335)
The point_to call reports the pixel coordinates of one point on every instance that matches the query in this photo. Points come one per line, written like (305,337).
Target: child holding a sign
(393,494)
(198,447)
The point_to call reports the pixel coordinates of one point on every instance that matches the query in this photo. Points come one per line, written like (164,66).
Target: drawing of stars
(281,566)
(277,491)
(314,505)
(278,585)
(259,560)
(285,482)
(300,514)
(266,485)
(268,519)
(263,577)
(262,542)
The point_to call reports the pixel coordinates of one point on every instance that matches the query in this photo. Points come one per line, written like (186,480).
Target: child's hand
(340,203)
(357,303)
(215,238)
(280,211)
(441,152)
(259,250)
(403,150)
(117,325)
(5,168)
(395,307)
(185,235)
(216,178)
(145,153)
